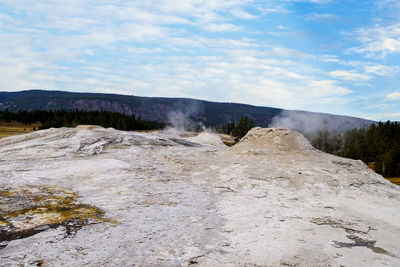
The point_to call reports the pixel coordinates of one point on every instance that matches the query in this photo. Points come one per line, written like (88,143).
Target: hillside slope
(170,109)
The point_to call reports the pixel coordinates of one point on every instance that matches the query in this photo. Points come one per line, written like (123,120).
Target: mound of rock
(272,140)
(207,139)
(89,127)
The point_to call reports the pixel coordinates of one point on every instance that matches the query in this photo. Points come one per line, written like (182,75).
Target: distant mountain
(170,109)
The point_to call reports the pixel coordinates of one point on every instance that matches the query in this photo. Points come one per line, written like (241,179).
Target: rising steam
(311,123)
(185,117)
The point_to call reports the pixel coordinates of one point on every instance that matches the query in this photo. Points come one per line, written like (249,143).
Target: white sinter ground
(271,200)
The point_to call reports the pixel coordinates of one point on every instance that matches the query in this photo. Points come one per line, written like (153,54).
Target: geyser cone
(272,140)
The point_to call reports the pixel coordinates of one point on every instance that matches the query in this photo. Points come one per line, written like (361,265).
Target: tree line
(377,145)
(238,130)
(73,118)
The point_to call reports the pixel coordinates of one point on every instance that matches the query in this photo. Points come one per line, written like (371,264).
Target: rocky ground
(102,197)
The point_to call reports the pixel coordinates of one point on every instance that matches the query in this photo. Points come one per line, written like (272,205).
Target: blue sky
(333,56)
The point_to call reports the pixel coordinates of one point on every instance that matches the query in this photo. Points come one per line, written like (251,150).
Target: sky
(333,56)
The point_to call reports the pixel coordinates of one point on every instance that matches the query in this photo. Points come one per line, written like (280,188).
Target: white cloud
(267,7)
(79,15)
(241,14)
(395,96)
(322,16)
(394,116)
(330,58)
(377,41)
(89,52)
(392,5)
(321,88)
(144,50)
(311,1)
(381,70)
(292,53)
(222,27)
(350,75)
(364,68)
(318,1)
(377,106)
(159,48)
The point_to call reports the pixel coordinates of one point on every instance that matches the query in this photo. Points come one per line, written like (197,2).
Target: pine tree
(243,126)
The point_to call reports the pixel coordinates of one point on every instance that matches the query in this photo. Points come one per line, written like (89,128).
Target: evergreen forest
(238,130)
(73,118)
(377,145)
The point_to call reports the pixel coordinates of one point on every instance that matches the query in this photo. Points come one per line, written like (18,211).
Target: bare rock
(272,140)
(208,139)
(173,199)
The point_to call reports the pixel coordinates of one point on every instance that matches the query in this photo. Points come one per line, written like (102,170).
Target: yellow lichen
(5,193)
(43,206)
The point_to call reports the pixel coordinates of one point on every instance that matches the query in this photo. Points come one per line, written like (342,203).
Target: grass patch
(395,180)
(15,128)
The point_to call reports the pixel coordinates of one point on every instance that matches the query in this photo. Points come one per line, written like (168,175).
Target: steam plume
(311,123)
(185,117)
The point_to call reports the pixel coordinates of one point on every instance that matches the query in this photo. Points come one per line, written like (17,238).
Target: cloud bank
(250,51)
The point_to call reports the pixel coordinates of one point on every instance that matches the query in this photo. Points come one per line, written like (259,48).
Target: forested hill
(377,145)
(160,109)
